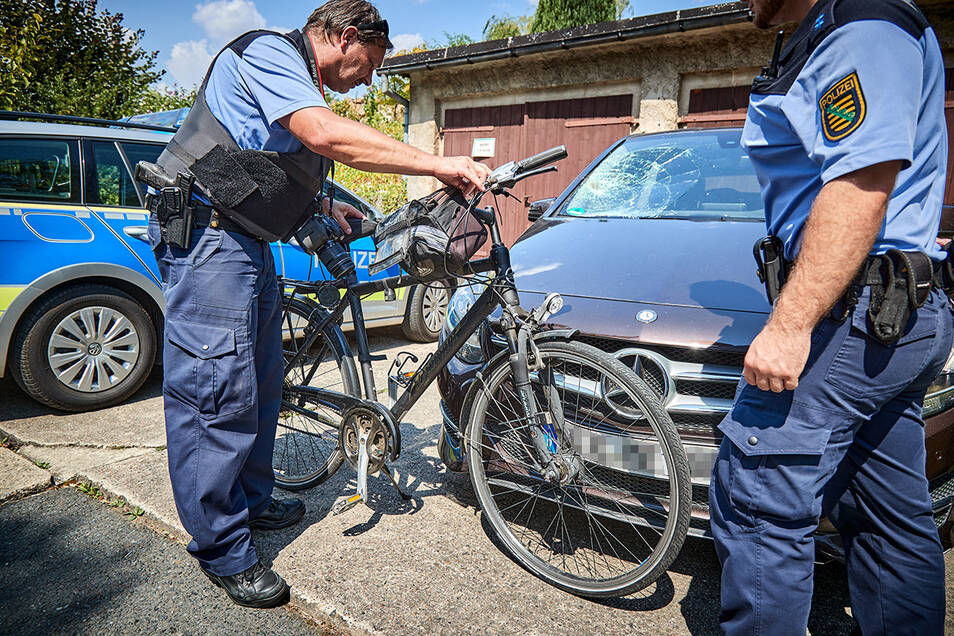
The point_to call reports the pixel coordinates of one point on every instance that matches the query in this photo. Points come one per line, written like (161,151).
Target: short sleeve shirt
(248,94)
(860,82)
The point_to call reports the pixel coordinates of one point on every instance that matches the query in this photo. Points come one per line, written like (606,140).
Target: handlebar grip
(360,228)
(542,159)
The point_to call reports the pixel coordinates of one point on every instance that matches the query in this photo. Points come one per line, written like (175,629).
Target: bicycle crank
(365,441)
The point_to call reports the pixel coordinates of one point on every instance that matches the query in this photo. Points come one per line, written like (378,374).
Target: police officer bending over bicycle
(847,134)
(244,169)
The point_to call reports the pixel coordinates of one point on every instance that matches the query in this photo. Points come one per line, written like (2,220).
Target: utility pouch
(772,268)
(900,283)
(171,204)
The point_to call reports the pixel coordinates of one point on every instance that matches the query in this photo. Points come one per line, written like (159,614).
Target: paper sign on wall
(483,147)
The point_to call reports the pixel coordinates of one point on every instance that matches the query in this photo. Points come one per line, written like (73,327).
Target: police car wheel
(84,347)
(426,311)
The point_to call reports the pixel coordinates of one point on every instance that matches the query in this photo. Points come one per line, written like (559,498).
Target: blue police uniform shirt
(249,94)
(870,92)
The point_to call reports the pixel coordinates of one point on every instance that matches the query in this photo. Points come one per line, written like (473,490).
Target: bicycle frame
(499,291)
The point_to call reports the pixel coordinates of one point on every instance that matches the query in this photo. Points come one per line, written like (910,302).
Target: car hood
(698,278)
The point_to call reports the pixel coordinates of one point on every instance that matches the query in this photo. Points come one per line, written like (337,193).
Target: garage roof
(587,35)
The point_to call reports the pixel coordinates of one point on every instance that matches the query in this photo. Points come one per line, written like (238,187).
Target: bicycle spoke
(601,526)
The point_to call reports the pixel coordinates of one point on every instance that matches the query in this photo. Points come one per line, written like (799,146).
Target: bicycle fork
(546,426)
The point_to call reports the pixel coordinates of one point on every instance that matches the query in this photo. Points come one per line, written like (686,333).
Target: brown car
(651,249)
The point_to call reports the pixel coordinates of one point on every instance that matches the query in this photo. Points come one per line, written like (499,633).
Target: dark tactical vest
(270,194)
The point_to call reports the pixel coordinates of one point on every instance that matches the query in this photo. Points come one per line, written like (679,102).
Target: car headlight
(940,395)
(462,300)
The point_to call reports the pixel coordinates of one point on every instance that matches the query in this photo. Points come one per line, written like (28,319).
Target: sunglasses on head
(379,26)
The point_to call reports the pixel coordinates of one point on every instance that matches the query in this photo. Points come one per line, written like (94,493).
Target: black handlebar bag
(432,238)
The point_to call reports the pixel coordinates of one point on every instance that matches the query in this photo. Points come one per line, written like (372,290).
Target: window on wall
(36,170)
(716,107)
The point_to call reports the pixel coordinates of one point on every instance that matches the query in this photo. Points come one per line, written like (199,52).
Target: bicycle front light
(470,352)
(940,395)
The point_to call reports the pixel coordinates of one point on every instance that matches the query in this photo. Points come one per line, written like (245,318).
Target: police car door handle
(137,232)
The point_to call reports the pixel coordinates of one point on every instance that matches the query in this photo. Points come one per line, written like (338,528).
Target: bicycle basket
(432,238)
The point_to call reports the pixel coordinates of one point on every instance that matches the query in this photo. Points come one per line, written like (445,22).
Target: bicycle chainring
(356,421)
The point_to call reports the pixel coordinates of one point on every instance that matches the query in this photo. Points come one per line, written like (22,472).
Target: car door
(116,201)
(42,224)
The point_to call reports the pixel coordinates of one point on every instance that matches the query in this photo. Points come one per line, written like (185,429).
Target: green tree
(81,62)
(499,27)
(622,6)
(561,14)
(451,39)
(157,99)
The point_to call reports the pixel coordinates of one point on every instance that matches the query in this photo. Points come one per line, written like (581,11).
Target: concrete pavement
(426,565)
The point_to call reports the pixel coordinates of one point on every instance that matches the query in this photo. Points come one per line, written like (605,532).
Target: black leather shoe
(280,513)
(257,586)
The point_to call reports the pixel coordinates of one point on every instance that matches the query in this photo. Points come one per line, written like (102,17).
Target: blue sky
(187,33)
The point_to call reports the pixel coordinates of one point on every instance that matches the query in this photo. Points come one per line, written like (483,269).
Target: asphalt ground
(71,564)
(395,567)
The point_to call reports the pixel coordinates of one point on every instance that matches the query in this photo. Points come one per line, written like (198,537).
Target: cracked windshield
(702,177)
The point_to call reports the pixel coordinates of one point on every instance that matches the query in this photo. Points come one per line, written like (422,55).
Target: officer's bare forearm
(846,217)
(356,144)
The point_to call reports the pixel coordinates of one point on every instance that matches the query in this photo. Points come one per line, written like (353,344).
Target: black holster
(772,267)
(900,282)
(944,276)
(172,204)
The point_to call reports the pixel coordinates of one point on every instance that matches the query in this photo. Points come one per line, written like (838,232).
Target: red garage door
(585,126)
(716,107)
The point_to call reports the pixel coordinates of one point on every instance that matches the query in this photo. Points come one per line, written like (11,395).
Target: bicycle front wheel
(306,440)
(617,519)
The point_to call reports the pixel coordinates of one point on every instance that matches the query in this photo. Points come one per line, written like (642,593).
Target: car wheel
(426,310)
(83,348)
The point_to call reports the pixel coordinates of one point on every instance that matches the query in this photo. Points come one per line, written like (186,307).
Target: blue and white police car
(80,299)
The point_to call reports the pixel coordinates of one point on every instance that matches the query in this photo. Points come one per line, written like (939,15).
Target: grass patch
(42,464)
(118,503)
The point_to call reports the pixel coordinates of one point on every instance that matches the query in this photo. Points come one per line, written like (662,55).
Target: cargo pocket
(775,463)
(865,368)
(209,368)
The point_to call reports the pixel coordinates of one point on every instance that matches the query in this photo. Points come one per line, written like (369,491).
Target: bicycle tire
(563,532)
(306,449)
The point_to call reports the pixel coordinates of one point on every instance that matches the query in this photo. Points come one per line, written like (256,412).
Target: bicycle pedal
(346,503)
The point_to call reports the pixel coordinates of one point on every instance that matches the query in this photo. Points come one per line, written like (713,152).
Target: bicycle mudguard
(503,356)
(347,402)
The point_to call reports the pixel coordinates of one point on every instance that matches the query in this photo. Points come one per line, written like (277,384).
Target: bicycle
(576,465)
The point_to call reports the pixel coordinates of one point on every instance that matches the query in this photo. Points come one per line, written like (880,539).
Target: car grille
(697,385)
(942,495)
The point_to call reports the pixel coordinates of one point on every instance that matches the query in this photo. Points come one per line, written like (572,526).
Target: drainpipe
(403,102)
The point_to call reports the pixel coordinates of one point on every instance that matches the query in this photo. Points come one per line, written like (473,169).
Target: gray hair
(333,17)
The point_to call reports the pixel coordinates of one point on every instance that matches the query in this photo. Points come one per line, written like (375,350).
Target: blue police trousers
(222,375)
(847,443)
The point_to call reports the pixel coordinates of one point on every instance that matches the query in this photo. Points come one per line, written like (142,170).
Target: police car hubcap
(93,349)
(434,306)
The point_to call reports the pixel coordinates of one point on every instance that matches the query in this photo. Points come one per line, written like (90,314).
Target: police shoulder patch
(842,108)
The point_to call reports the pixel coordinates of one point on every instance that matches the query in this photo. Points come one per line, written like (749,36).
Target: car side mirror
(537,208)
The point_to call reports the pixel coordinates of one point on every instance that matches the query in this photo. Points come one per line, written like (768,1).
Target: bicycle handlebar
(541,159)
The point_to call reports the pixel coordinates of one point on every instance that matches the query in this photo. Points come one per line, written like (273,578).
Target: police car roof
(8,127)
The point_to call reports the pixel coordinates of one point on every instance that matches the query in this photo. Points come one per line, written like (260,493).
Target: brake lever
(510,182)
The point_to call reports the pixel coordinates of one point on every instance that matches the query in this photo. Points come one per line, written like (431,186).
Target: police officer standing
(245,169)
(846,130)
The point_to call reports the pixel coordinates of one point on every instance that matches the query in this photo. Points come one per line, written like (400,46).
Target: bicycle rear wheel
(617,522)
(306,440)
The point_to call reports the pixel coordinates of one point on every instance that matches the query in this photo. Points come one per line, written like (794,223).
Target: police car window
(141,152)
(36,170)
(696,176)
(110,183)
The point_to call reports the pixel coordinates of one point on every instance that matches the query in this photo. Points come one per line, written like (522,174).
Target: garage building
(588,86)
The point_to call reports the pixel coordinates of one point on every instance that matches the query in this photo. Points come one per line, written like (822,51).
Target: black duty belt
(205,216)
(900,282)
